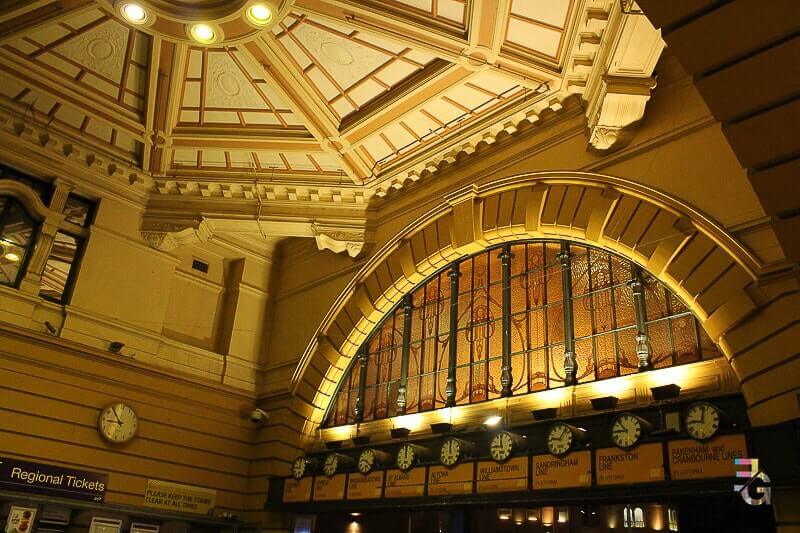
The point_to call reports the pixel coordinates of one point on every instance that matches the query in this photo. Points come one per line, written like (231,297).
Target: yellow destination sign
(297,490)
(640,465)
(176,497)
(329,488)
(503,477)
(401,484)
(689,459)
(361,487)
(444,481)
(572,470)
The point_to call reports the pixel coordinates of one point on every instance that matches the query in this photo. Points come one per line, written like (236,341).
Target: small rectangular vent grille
(200,265)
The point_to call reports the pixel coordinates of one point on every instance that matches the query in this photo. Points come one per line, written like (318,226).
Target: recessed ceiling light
(13,257)
(260,14)
(203,33)
(134,13)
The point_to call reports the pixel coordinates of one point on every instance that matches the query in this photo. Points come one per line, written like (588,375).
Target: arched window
(517,319)
(633,516)
(17,231)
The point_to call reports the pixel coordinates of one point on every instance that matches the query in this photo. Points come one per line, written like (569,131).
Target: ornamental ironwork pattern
(517,319)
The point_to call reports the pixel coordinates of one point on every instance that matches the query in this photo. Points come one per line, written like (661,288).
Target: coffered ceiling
(327,94)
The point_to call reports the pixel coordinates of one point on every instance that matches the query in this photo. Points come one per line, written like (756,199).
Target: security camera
(258,416)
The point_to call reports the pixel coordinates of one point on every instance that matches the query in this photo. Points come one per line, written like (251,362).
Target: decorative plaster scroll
(338,240)
(167,239)
(618,92)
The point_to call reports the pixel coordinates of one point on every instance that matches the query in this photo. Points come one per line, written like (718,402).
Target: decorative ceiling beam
(398,107)
(487,23)
(163,88)
(251,139)
(22,16)
(529,73)
(306,103)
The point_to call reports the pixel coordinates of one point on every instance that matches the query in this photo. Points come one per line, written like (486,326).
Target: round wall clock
(702,420)
(452,451)
(562,437)
(118,423)
(299,467)
(627,429)
(331,464)
(501,446)
(366,461)
(406,456)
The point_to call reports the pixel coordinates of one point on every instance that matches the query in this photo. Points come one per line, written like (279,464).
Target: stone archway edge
(681,246)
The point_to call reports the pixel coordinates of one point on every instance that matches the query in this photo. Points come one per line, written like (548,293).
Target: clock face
(559,440)
(299,467)
(118,423)
(451,452)
(702,421)
(501,446)
(626,430)
(406,457)
(331,464)
(366,461)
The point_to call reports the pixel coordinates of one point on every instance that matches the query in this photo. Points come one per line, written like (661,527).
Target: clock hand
(112,421)
(116,416)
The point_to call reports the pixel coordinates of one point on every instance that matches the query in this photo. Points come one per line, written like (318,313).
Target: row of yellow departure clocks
(702,421)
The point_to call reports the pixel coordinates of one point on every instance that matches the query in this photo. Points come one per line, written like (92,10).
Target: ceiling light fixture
(13,257)
(259,14)
(203,33)
(134,13)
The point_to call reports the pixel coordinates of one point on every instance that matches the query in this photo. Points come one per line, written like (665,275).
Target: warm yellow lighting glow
(412,422)
(13,257)
(504,514)
(259,14)
(203,33)
(664,376)
(493,420)
(612,387)
(337,433)
(134,13)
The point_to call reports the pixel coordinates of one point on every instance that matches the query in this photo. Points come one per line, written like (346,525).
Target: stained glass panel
(579,261)
(684,336)
(660,343)
(495,373)
(537,361)
(582,316)
(556,370)
(585,357)
(606,352)
(626,341)
(603,311)
(604,327)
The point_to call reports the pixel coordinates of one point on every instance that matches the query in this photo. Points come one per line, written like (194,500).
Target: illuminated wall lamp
(547,413)
(399,433)
(604,402)
(504,514)
(665,392)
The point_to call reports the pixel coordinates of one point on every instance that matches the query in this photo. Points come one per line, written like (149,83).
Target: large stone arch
(750,312)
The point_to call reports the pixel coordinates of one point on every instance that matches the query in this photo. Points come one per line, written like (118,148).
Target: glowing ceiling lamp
(134,13)
(13,257)
(259,14)
(203,33)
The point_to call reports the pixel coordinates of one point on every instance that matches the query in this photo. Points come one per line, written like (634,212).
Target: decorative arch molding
(27,197)
(686,250)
